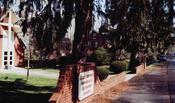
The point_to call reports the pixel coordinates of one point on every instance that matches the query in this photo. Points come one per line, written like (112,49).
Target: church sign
(85,84)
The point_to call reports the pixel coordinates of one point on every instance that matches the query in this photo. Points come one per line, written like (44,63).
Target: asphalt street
(156,86)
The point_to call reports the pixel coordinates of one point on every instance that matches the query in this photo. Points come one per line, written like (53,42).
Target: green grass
(128,71)
(103,66)
(106,67)
(33,80)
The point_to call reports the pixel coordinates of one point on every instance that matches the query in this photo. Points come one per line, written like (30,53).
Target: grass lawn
(15,89)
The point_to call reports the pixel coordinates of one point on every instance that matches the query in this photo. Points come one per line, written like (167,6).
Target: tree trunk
(171,12)
(83,23)
(78,26)
(133,60)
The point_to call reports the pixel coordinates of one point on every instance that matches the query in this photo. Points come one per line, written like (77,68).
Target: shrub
(122,55)
(119,66)
(102,72)
(102,56)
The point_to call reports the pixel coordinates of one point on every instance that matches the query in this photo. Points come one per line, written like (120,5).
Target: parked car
(162,58)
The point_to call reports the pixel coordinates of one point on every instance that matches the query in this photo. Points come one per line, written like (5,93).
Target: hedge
(103,72)
(119,66)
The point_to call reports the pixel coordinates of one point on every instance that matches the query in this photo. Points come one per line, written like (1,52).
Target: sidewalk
(157,86)
(22,71)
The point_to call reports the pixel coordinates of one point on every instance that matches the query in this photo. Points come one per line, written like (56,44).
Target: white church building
(11,46)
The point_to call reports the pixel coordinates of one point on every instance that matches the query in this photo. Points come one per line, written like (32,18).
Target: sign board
(85,84)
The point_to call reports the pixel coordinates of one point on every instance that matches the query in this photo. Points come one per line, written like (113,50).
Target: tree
(137,23)
(162,18)
(49,20)
(83,22)
(132,20)
(140,24)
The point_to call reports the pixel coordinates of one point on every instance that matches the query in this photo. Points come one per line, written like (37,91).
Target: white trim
(11,25)
(2,52)
(4,16)
(8,41)
(9,35)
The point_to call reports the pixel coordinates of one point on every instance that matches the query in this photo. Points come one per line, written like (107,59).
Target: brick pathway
(157,86)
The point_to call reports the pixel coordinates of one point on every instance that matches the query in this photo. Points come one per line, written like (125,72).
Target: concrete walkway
(156,86)
(33,72)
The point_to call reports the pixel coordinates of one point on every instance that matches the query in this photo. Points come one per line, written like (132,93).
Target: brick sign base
(67,88)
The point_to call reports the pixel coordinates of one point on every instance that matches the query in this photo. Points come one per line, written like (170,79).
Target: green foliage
(119,66)
(152,54)
(103,72)
(102,56)
(122,55)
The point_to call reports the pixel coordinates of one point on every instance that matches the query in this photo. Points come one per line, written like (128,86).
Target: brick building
(93,40)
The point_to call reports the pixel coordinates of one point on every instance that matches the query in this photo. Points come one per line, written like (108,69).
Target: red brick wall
(67,88)
(19,53)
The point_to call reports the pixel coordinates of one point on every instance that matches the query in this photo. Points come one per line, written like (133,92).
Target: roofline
(4,15)
(20,40)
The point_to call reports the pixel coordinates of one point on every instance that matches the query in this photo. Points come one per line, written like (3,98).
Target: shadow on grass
(20,92)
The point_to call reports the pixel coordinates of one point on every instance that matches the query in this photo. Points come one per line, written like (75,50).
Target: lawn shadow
(21,92)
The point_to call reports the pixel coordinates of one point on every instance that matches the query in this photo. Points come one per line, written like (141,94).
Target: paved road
(157,86)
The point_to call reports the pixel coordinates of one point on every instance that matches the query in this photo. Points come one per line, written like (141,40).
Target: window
(8,59)
(5,53)
(5,63)
(10,62)
(11,54)
(5,57)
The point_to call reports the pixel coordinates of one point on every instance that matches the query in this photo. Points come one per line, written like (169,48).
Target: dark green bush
(102,56)
(102,72)
(119,66)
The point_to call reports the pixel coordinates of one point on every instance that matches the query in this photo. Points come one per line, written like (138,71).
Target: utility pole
(28,60)
(9,37)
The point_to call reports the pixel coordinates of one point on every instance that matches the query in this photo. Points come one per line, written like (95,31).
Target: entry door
(8,58)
